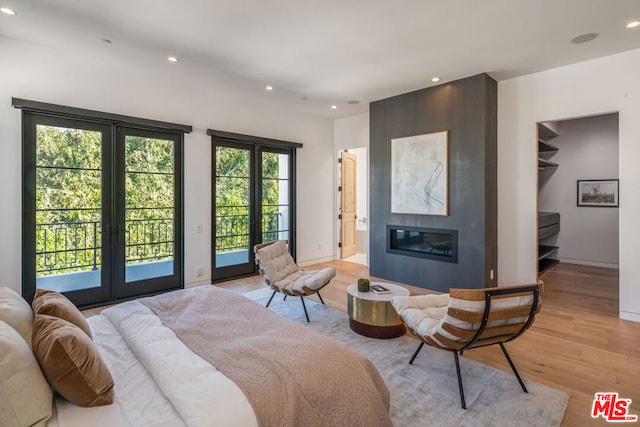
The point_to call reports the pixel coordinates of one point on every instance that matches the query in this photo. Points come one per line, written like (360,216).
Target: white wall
(588,149)
(594,87)
(139,87)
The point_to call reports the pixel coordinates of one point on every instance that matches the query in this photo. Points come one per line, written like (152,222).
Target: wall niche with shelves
(548,222)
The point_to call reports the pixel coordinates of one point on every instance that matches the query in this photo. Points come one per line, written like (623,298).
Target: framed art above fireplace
(419,174)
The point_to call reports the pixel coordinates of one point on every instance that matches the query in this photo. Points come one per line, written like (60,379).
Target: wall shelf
(546,264)
(544,251)
(544,163)
(545,147)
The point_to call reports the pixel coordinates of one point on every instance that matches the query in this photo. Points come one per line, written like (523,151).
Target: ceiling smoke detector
(584,38)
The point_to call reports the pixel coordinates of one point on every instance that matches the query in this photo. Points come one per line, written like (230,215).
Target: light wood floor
(577,343)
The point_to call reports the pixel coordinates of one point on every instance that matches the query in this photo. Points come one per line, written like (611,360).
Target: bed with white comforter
(160,381)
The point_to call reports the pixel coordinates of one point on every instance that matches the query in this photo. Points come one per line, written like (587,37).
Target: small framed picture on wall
(598,193)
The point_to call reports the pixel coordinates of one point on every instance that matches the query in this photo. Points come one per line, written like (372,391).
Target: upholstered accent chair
(468,318)
(281,273)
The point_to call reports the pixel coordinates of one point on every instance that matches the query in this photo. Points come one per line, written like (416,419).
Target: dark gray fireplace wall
(466,108)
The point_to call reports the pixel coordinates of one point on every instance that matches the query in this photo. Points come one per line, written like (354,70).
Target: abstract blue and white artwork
(419,174)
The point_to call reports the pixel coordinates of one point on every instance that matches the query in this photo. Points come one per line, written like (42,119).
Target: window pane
(68,208)
(232,198)
(150,210)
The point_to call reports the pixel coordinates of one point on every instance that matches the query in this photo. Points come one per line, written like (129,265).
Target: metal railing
(65,247)
(233,231)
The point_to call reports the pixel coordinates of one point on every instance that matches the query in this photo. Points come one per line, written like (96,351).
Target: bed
(210,357)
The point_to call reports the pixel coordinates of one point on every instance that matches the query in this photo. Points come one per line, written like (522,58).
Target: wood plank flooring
(577,343)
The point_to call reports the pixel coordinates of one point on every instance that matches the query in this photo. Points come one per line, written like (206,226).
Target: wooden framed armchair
(281,273)
(470,318)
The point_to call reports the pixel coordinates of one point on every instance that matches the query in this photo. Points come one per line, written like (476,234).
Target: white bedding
(158,380)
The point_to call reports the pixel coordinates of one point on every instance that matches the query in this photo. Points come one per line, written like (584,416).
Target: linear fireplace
(432,243)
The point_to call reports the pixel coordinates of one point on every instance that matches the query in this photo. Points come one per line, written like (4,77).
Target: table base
(371,331)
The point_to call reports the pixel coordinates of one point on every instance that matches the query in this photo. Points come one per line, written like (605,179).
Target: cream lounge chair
(282,274)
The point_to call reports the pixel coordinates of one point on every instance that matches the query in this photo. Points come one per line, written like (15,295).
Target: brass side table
(372,315)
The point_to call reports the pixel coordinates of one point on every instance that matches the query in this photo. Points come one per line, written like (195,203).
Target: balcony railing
(65,247)
(232,231)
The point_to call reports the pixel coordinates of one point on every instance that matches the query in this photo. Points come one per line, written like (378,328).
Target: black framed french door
(102,209)
(253,201)
(148,211)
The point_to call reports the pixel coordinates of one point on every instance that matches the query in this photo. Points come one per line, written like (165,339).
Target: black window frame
(53,113)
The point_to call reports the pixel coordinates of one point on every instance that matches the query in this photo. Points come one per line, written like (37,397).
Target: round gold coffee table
(372,315)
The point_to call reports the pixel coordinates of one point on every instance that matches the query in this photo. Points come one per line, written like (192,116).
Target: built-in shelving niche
(548,222)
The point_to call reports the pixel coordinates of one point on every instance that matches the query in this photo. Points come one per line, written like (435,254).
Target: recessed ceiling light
(334,107)
(435,79)
(8,11)
(269,88)
(633,24)
(583,38)
(173,59)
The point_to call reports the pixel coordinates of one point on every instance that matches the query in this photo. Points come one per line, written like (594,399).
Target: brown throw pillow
(71,362)
(57,305)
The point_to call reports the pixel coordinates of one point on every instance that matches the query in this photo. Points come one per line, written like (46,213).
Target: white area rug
(426,393)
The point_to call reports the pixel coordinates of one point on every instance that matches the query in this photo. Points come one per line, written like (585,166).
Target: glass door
(234,210)
(148,209)
(66,224)
(102,209)
(253,192)
(276,191)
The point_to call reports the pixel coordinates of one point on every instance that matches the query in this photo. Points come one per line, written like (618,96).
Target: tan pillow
(16,312)
(25,396)
(57,305)
(71,362)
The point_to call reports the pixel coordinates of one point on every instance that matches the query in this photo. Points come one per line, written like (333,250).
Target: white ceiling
(332,51)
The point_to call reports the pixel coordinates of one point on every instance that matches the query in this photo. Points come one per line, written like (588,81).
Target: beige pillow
(16,312)
(25,396)
(71,362)
(55,304)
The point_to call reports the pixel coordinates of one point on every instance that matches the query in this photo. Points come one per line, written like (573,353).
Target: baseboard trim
(627,315)
(590,263)
(315,261)
(196,284)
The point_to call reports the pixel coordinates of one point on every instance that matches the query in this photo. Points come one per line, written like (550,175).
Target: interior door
(348,204)
(234,210)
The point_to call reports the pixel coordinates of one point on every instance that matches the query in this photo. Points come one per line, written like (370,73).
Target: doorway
(102,209)
(254,200)
(572,229)
(352,205)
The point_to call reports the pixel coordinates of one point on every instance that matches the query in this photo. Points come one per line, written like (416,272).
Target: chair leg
(513,367)
(272,295)
(320,296)
(455,356)
(416,353)
(305,309)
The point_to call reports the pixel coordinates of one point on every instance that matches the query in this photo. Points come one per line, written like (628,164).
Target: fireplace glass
(431,243)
